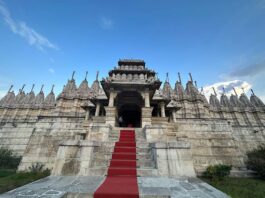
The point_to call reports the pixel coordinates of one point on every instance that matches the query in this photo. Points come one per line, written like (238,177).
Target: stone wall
(45,140)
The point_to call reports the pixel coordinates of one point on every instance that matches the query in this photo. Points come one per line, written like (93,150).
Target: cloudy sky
(222,43)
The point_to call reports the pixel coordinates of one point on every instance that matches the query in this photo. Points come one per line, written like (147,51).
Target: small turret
(214,100)
(95,88)
(224,100)
(50,99)
(20,96)
(167,90)
(29,98)
(8,99)
(255,100)
(191,90)
(69,91)
(244,99)
(83,90)
(39,99)
(203,97)
(235,102)
(179,89)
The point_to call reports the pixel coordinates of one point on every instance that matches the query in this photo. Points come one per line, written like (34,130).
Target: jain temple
(133,124)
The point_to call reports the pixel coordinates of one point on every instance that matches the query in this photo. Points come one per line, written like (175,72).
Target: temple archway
(129,106)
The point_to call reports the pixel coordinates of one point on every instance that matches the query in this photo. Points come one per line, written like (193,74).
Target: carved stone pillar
(110,115)
(111,98)
(147,99)
(87,114)
(174,116)
(146,116)
(162,106)
(97,109)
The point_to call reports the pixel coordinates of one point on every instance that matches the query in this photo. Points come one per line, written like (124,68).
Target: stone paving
(85,186)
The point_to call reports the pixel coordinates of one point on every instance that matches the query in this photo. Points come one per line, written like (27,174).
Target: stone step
(141,172)
(144,163)
(108,156)
(91,195)
(104,149)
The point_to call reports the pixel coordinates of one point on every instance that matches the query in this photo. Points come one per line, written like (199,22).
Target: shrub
(217,172)
(8,159)
(256,161)
(39,168)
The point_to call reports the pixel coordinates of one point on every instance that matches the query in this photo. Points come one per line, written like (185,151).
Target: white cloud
(106,23)
(51,70)
(26,32)
(228,85)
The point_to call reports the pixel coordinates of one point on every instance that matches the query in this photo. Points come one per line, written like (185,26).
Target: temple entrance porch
(128,105)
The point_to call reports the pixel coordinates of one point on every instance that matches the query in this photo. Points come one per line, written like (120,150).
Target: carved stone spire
(167,90)
(224,100)
(69,91)
(20,96)
(29,99)
(255,100)
(191,79)
(95,88)
(244,99)
(39,99)
(191,90)
(214,100)
(179,90)
(8,99)
(235,102)
(50,99)
(179,78)
(83,90)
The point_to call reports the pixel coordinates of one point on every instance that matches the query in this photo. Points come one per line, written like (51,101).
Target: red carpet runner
(121,180)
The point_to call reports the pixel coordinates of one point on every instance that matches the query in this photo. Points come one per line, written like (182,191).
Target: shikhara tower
(178,132)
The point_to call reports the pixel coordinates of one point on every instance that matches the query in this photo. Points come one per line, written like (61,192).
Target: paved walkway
(149,187)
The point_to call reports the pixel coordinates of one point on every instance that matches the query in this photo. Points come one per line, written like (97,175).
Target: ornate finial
(191,78)
(195,82)
(10,88)
(86,75)
(41,88)
(243,89)
(223,90)
(235,91)
(97,75)
(33,85)
(201,89)
(179,78)
(214,91)
(52,88)
(23,87)
(73,74)
(252,92)
(167,79)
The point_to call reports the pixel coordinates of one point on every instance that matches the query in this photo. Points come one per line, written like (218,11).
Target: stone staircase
(146,165)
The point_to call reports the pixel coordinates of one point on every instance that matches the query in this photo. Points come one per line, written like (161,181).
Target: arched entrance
(129,108)
(131,115)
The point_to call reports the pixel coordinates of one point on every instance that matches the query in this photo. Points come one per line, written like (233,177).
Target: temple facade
(178,132)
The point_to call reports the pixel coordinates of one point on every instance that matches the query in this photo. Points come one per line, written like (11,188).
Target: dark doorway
(131,115)
(129,105)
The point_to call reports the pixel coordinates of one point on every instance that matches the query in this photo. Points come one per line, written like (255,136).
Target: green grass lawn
(240,187)
(9,179)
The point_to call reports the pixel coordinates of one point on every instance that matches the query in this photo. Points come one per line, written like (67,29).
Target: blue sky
(219,42)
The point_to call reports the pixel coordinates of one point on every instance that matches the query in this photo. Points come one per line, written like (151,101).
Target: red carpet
(121,180)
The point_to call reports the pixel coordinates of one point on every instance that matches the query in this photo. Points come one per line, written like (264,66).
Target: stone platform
(85,186)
